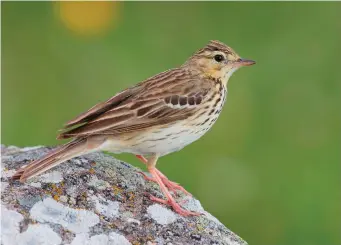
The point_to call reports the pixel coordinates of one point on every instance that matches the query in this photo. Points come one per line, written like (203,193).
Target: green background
(270,167)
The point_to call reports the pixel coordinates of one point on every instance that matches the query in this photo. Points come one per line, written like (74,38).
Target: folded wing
(165,98)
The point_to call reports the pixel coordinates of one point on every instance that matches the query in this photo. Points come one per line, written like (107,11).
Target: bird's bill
(244,62)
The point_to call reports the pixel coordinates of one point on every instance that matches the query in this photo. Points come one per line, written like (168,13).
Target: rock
(93,200)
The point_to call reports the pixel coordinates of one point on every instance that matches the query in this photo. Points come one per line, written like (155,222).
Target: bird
(153,118)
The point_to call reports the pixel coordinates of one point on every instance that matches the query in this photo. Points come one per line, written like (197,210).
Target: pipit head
(217,60)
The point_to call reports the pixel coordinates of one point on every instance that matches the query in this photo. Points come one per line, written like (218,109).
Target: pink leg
(145,161)
(169,199)
(172,186)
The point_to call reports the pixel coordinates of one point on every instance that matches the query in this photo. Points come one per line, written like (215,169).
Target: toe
(146,177)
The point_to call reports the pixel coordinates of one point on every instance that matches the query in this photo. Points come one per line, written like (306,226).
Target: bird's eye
(218,57)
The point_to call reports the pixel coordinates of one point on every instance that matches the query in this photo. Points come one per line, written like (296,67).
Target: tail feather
(63,153)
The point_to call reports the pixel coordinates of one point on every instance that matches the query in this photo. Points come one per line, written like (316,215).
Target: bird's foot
(172,186)
(166,186)
(146,177)
(176,207)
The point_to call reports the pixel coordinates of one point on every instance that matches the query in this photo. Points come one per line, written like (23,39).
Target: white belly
(168,140)
(159,141)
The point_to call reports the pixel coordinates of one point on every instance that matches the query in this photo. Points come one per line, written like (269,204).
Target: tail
(63,153)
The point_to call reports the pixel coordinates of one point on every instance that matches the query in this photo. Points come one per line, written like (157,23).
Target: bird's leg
(172,186)
(144,160)
(169,199)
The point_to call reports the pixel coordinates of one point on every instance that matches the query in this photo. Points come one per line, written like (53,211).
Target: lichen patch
(3,185)
(113,239)
(38,234)
(108,209)
(7,173)
(192,204)
(99,239)
(81,239)
(35,184)
(77,221)
(134,221)
(98,184)
(52,177)
(117,239)
(10,220)
(161,214)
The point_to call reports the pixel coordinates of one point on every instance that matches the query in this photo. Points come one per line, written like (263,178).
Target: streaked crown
(215,45)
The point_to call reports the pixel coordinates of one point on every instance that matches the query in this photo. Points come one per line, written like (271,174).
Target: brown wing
(102,107)
(165,98)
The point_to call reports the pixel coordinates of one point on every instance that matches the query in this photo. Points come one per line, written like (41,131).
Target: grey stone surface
(95,199)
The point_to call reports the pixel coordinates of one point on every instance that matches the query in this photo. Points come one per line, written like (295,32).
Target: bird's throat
(227,76)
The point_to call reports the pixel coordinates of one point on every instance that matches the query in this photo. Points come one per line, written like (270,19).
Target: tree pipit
(158,116)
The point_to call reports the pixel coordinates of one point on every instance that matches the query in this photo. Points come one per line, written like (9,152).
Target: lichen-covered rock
(93,200)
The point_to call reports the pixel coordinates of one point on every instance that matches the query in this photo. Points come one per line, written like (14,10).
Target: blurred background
(270,167)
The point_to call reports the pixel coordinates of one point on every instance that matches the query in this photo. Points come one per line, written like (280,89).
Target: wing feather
(143,106)
(102,107)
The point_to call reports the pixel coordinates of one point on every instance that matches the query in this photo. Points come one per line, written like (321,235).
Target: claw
(156,199)
(146,177)
(183,202)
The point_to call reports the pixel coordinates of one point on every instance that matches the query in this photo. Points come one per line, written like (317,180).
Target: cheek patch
(215,67)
